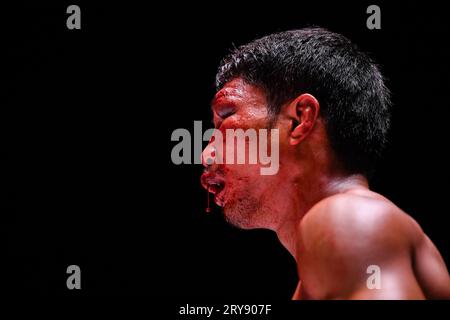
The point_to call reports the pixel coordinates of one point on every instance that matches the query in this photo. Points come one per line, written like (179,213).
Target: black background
(86,122)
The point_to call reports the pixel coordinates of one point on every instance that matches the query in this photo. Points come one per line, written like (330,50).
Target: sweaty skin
(327,218)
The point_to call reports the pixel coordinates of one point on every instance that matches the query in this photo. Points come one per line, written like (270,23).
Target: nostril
(209,155)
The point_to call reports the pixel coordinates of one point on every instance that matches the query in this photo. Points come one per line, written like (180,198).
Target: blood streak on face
(248,198)
(208,207)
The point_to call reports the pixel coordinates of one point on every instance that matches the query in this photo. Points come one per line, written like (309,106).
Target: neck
(303,200)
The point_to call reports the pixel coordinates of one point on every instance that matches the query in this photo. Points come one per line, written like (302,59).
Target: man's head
(329,103)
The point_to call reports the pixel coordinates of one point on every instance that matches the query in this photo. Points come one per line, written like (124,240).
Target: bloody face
(248,198)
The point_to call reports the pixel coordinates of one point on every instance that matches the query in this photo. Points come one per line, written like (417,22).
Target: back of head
(354,101)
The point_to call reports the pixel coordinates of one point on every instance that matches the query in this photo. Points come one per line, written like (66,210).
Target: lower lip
(218,198)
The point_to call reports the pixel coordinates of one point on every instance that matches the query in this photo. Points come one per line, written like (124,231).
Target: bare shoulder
(360,215)
(343,235)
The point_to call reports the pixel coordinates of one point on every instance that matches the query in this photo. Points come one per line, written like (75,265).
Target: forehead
(239,91)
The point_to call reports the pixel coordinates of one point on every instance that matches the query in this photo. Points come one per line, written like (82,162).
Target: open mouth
(215,185)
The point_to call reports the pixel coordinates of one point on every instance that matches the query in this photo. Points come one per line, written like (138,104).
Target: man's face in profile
(330,111)
(248,198)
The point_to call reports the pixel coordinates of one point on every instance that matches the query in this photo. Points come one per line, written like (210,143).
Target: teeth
(216,187)
(216,184)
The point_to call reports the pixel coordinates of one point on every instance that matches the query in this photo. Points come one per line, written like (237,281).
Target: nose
(209,154)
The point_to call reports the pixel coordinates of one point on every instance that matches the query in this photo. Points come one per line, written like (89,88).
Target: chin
(242,214)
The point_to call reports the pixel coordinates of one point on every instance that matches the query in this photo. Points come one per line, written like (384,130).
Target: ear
(302,112)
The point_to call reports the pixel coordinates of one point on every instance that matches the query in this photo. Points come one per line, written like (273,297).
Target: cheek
(246,179)
(245,147)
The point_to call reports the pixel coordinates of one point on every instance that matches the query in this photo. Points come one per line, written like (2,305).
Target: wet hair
(354,101)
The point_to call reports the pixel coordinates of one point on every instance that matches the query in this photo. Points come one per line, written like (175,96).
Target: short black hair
(354,101)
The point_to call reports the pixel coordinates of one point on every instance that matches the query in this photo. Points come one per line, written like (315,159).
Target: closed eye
(222,111)
(225,111)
